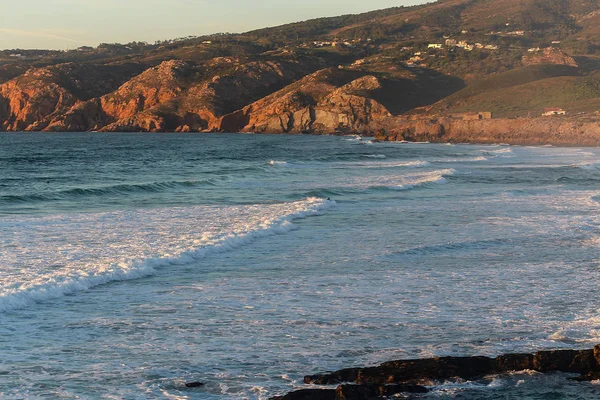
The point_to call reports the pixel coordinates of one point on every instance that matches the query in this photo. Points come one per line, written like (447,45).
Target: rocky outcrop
(126,108)
(549,55)
(441,368)
(324,102)
(180,96)
(31,101)
(353,392)
(407,376)
(32,104)
(140,122)
(557,131)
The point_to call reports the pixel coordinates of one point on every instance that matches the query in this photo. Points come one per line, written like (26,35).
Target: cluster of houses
(337,43)
(419,56)
(463,44)
(536,49)
(511,33)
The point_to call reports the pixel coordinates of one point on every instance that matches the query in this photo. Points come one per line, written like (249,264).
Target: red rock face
(314,104)
(30,106)
(35,99)
(170,97)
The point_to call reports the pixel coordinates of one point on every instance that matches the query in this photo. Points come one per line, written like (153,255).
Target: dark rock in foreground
(194,384)
(352,392)
(403,376)
(360,392)
(418,370)
(309,394)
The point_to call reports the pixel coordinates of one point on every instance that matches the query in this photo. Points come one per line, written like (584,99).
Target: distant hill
(350,73)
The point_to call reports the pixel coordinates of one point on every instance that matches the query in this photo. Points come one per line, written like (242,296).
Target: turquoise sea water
(133,263)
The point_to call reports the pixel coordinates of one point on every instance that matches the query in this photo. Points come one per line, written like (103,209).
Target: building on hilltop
(553,111)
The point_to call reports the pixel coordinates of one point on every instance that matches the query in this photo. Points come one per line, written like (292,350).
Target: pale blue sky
(63,24)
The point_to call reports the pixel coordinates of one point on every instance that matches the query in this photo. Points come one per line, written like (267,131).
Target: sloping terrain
(527,91)
(353,73)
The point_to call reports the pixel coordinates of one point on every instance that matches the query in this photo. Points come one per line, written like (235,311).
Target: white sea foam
(561,335)
(459,160)
(398,181)
(434,179)
(275,162)
(375,156)
(500,151)
(54,256)
(588,166)
(389,164)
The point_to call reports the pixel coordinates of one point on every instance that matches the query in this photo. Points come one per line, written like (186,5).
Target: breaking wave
(104,264)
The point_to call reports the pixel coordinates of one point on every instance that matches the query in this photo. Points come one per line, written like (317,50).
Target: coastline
(525,131)
(555,131)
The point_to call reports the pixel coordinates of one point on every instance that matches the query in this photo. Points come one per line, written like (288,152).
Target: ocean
(131,264)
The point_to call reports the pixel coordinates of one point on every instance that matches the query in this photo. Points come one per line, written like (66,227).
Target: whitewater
(131,264)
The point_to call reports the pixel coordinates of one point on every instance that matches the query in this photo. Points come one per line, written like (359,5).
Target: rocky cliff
(555,131)
(179,96)
(31,101)
(327,101)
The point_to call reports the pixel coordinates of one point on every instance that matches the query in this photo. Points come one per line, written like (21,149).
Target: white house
(553,111)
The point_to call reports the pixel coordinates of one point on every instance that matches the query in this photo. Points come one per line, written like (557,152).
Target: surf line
(15,299)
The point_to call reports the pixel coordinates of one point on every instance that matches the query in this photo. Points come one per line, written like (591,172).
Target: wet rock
(514,362)
(556,360)
(590,376)
(433,368)
(584,361)
(343,375)
(405,371)
(364,392)
(308,394)
(596,351)
(194,384)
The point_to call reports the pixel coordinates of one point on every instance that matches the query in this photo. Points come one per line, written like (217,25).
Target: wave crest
(115,190)
(20,292)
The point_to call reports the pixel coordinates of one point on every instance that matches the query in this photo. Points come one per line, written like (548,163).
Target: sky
(68,24)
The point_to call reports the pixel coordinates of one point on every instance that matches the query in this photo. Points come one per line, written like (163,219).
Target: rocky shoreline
(539,131)
(275,97)
(412,376)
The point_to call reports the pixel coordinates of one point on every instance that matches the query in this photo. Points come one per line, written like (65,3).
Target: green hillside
(527,91)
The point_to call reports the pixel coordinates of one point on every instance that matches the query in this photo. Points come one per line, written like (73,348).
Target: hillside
(352,73)
(527,90)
